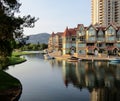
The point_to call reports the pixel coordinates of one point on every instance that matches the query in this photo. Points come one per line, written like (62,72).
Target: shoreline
(84,58)
(10,87)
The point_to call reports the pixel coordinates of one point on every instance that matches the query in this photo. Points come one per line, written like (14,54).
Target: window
(73,39)
(82,45)
(81,31)
(118,45)
(118,35)
(91,31)
(111,31)
(82,52)
(100,33)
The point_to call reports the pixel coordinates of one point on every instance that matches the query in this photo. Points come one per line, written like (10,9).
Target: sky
(56,15)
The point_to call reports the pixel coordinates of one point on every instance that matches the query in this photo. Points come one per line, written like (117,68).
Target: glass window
(118,33)
(111,38)
(111,31)
(81,31)
(91,39)
(82,45)
(91,31)
(73,39)
(118,45)
(100,38)
(82,52)
(100,33)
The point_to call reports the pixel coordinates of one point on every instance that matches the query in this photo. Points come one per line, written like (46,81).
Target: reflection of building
(102,83)
(105,12)
(105,94)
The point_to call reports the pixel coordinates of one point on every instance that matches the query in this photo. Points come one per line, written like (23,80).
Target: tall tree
(11,26)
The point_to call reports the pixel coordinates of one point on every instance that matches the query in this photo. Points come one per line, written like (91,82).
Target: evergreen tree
(11,26)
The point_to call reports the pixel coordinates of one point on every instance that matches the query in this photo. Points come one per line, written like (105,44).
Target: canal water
(53,80)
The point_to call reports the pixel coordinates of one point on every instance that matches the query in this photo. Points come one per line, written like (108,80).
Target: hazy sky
(55,15)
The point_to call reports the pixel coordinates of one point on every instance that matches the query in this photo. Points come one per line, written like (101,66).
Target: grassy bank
(7,81)
(15,60)
(19,53)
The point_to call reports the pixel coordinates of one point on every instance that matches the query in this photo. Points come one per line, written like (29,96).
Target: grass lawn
(15,60)
(19,53)
(7,81)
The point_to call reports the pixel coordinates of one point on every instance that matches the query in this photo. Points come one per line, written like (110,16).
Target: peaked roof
(113,25)
(92,26)
(53,34)
(79,25)
(69,32)
(59,33)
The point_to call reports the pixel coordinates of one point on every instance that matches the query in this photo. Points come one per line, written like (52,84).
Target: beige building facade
(105,12)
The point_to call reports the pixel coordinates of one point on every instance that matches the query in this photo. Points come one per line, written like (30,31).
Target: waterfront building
(51,42)
(55,42)
(105,12)
(87,40)
(69,41)
(99,39)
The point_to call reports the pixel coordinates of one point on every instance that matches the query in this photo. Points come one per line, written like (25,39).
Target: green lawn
(15,60)
(7,81)
(19,53)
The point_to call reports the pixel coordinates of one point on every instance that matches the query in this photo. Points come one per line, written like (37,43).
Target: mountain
(38,38)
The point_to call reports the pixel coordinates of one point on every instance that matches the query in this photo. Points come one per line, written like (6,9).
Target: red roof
(53,34)
(69,32)
(59,33)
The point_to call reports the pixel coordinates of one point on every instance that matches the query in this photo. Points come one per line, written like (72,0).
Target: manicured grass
(15,60)
(7,81)
(19,53)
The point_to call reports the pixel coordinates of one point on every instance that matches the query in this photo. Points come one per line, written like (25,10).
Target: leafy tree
(11,26)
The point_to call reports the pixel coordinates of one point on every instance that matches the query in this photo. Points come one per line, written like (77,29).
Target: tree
(11,26)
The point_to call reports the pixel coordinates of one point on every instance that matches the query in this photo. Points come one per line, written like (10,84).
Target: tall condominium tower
(105,12)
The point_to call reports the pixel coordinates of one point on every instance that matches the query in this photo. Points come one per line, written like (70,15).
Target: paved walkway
(91,58)
(102,57)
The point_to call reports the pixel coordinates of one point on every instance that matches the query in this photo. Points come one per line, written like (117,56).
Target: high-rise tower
(105,12)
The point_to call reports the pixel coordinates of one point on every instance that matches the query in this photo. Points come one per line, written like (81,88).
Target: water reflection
(102,79)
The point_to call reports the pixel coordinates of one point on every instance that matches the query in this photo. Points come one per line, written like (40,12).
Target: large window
(82,52)
(112,38)
(118,45)
(91,31)
(100,39)
(73,39)
(110,31)
(82,45)
(100,33)
(81,31)
(118,35)
(91,39)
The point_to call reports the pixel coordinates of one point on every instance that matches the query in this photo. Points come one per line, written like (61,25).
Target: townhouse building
(82,40)
(55,42)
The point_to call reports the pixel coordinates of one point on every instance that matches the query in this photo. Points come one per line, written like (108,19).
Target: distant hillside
(41,38)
